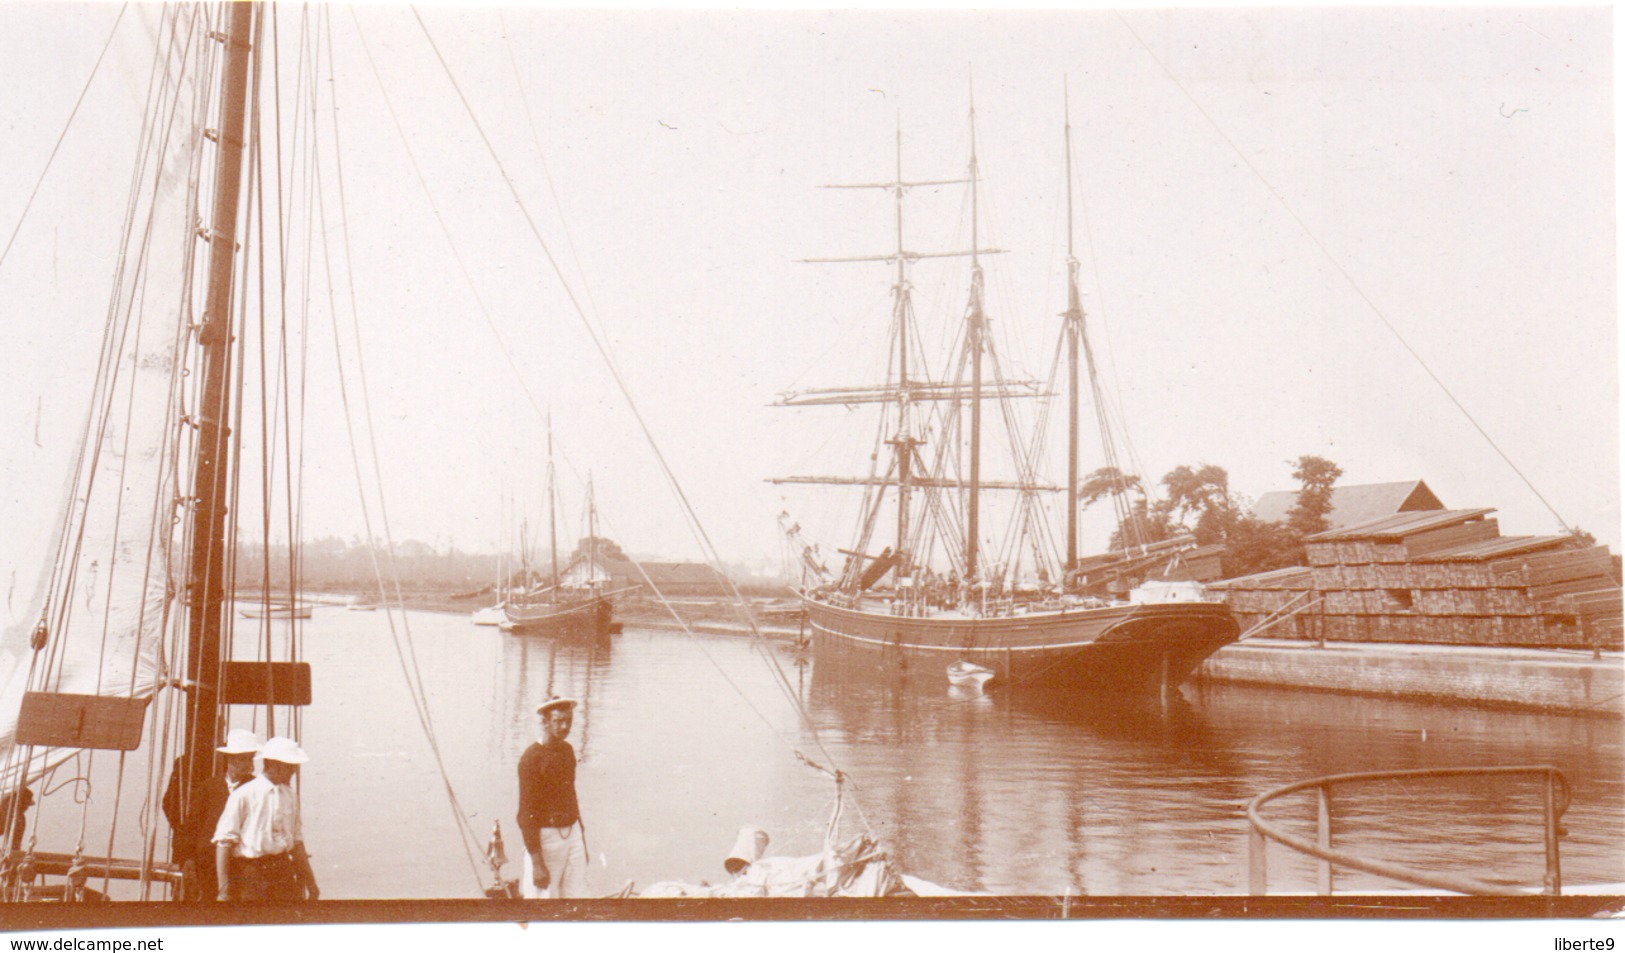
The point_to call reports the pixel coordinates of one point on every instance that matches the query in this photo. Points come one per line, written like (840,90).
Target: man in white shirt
(194,828)
(259,842)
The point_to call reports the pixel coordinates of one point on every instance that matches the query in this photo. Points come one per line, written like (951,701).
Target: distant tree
(1139,523)
(1107,481)
(1203,493)
(1315,476)
(1144,524)
(1256,545)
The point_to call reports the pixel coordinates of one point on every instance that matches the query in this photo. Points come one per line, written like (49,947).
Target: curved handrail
(1453,882)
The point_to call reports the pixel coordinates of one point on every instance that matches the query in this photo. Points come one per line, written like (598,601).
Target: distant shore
(709,613)
(1552,680)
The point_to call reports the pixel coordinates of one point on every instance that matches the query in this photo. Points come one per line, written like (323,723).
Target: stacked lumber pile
(1443,576)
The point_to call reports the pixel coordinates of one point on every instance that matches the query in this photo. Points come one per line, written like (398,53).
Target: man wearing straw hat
(194,830)
(259,842)
(555,863)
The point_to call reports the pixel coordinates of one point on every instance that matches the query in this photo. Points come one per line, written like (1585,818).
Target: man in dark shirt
(549,817)
(192,847)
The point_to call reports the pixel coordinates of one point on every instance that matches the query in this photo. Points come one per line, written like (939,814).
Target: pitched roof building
(1356,504)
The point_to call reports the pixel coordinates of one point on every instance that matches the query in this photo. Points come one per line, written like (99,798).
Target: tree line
(331,563)
(1198,501)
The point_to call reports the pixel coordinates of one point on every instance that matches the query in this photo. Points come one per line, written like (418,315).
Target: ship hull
(583,619)
(1136,648)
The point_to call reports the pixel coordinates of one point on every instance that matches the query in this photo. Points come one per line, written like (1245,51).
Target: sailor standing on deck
(194,849)
(555,864)
(260,842)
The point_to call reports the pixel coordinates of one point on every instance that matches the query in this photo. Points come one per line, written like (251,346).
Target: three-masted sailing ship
(900,608)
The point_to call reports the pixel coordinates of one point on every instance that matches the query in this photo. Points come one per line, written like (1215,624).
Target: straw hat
(241,741)
(748,849)
(285,750)
(553,701)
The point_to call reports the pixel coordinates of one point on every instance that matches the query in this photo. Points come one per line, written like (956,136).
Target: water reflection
(1071,790)
(688,738)
(534,668)
(1036,793)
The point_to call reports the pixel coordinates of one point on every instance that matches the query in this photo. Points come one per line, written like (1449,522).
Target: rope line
(63,135)
(1360,292)
(687,508)
(405,648)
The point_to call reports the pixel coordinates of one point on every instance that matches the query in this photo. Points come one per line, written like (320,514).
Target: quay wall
(1570,682)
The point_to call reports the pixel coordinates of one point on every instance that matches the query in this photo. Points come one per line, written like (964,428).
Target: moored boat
(563,614)
(274,610)
(577,604)
(932,596)
(1115,648)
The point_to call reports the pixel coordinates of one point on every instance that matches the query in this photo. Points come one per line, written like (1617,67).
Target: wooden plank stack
(1438,576)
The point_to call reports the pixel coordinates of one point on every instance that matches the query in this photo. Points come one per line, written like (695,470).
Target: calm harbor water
(684,739)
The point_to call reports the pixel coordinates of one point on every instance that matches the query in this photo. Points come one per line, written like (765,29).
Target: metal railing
(1555,802)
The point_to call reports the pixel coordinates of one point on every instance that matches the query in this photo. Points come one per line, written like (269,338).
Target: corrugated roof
(1356,503)
(1401,525)
(1493,549)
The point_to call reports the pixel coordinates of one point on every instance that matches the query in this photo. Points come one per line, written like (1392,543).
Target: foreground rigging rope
(405,648)
(597,338)
(1360,292)
(34,192)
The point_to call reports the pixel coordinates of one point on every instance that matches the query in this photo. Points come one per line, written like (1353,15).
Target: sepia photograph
(468,465)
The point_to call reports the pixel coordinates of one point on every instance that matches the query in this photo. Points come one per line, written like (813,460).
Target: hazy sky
(1260,195)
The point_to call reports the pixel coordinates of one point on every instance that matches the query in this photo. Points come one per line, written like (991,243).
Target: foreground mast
(206,586)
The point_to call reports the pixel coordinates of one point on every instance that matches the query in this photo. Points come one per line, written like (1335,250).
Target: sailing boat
(574,604)
(895,609)
(130,663)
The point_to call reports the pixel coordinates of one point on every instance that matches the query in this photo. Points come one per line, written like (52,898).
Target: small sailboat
(575,604)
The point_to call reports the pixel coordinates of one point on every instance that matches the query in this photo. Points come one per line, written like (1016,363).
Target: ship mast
(552,505)
(975,328)
(1073,329)
(206,574)
(908,472)
(905,442)
(592,537)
